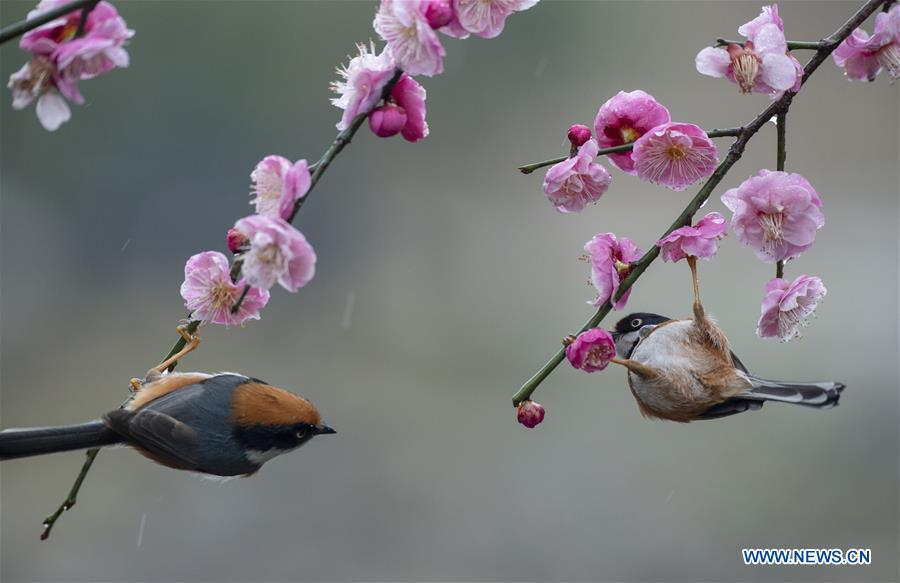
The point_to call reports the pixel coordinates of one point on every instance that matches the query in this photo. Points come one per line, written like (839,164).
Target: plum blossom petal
(675,155)
(776,214)
(486,18)
(611,260)
(278,253)
(787,306)
(278,184)
(623,119)
(863,57)
(210,294)
(362,82)
(573,183)
(713,61)
(769,15)
(411,40)
(52,110)
(409,95)
(701,240)
(592,350)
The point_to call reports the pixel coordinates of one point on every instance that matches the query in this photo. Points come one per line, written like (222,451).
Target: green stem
(529,168)
(792,45)
(23,26)
(734,154)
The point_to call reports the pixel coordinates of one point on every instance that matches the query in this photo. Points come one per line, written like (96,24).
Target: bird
(223,424)
(684,370)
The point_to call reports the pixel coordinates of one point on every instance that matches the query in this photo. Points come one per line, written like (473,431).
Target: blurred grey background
(463,279)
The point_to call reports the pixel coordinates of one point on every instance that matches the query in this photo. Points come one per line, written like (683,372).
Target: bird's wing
(738,364)
(162,438)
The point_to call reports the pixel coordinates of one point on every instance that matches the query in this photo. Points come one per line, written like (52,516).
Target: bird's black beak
(615,335)
(323,430)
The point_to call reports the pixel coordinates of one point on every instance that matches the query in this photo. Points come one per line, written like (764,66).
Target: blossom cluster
(64,52)
(268,248)
(674,155)
(413,47)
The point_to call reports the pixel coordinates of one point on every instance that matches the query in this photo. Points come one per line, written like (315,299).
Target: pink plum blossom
(530,413)
(611,261)
(362,82)
(210,294)
(787,306)
(411,41)
(61,60)
(578,134)
(486,18)
(278,184)
(35,80)
(675,155)
(387,120)
(592,350)
(573,183)
(862,56)
(701,240)
(776,214)
(410,96)
(623,119)
(762,65)
(278,253)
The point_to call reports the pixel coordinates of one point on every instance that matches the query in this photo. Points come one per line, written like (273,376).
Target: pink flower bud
(592,351)
(438,13)
(578,135)
(237,241)
(530,413)
(387,120)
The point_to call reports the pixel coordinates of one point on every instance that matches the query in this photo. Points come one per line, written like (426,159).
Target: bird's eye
(301,434)
(636,323)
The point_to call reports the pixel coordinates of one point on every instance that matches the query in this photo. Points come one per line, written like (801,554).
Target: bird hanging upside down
(220,424)
(684,370)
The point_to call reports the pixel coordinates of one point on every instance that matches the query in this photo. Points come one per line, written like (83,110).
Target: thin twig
(780,158)
(529,168)
(792,45)
(23,26)
(85,12)
(70,500)
(734,154)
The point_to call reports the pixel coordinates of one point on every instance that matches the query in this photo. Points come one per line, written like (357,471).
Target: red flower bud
(578,135)
(237,241)
(387,120)
(530,413)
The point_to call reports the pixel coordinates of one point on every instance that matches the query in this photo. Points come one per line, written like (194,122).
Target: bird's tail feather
(821,395)
(16,443)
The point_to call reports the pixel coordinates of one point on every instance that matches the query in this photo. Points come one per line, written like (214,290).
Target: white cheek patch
(260,457)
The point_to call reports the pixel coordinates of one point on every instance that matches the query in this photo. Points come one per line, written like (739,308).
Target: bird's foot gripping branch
(775,213)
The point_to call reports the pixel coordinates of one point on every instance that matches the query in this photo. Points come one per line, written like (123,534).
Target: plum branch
(777,108)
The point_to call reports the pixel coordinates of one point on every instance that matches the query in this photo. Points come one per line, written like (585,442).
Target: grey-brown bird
(684,370)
